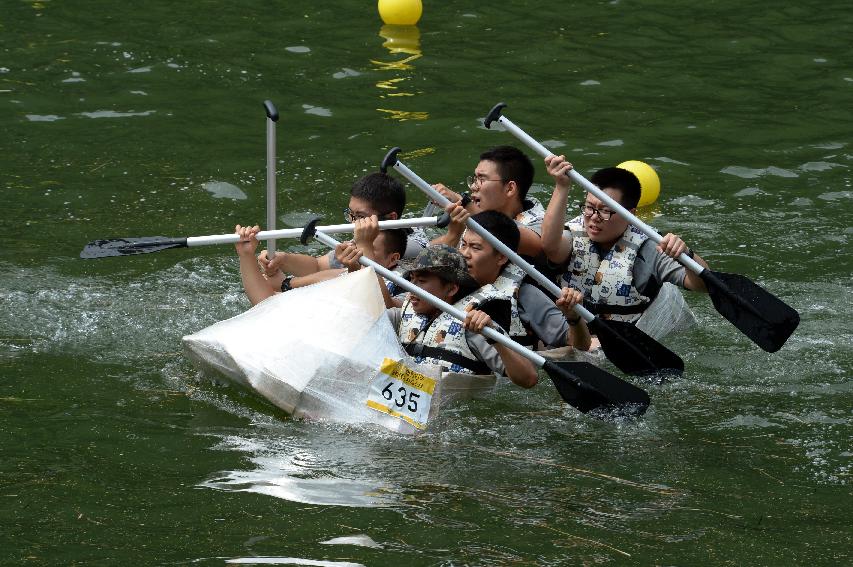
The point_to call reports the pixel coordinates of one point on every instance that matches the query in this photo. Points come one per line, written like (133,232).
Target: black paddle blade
(587,388)
(632,351)
(130,246)
(764,318)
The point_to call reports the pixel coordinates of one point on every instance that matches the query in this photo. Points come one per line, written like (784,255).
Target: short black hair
(382,191)
(513,165)
(623,181)
(501,226)
(396,240)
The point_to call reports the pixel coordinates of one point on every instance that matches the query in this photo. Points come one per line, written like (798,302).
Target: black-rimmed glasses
(351,217)
(603,214)
(478,180)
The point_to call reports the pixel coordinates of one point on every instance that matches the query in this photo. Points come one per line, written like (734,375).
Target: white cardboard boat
(318,352)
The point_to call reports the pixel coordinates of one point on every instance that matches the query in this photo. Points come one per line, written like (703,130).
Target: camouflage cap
(445,261)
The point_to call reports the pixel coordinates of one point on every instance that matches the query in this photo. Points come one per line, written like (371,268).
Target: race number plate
(401,392)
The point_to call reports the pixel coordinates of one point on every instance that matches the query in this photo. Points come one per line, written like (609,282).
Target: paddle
(133,246)
(584,386)
(626,346)
(272,118)
(764,318)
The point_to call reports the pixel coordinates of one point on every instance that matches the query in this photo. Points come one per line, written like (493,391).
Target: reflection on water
(290,561)
(403,43)
(278,478)
(403,40)
(307,471)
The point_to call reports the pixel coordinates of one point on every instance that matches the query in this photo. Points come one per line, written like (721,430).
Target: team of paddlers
(597,258)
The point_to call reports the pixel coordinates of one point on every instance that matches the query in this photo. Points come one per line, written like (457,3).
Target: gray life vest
(607,281)
(441,340)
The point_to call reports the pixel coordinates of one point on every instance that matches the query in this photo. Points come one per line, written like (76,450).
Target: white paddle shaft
(490,238)
(297,232)
(487,332)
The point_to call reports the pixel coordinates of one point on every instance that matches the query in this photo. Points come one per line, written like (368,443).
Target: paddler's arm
(348,253)
(458,217)
(557,248)
(579,336)
(296,264)
(673,246)
(256,287)
(530,243)
(310,279)
(519,369)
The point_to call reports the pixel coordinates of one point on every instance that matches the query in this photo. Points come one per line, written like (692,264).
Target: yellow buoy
(400,12)
(649,180)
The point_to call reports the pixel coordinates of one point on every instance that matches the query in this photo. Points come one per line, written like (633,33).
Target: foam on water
(113,321)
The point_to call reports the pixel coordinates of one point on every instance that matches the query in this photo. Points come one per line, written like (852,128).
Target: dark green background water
(116,451)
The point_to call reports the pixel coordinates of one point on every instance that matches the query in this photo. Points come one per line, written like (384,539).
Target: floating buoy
(649,180)
(400,12)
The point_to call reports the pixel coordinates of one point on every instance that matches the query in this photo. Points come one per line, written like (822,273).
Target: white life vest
(532,216)
(606,281)
(441,340)
(509,282)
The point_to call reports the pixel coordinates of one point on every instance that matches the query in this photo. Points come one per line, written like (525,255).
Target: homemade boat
(328,352)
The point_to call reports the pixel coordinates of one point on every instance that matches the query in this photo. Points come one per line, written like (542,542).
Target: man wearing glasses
(500,183)
(374,194)
(618,268)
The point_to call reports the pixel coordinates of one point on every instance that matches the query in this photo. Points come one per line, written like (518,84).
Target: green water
(115,450)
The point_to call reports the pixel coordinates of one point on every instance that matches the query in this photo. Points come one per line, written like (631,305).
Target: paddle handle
(490,238)
(488,332)
(573,174)
(297,232)
(272,118)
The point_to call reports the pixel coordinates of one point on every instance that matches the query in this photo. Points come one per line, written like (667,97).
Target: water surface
(121,120)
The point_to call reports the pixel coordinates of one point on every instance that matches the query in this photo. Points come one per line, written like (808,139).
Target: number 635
(400,399)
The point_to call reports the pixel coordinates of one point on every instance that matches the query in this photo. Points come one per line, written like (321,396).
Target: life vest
(606,281)
(532,215)
(441,340)
(508,283)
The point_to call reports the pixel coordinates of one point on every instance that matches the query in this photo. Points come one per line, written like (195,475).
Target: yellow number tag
(401,392)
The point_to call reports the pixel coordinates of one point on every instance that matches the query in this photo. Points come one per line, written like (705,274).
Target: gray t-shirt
(652,268)
(476,342)
(540,313)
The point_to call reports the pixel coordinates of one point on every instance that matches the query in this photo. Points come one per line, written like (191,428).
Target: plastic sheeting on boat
(328,352)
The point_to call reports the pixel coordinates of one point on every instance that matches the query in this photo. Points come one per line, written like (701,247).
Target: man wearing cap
(434,337)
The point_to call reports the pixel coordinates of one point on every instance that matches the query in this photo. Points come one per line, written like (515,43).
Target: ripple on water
(112,320)
(836,195)
(752,173)
(44,117)
(224,190)
(115,114)
(290,561)
(316,110)
(819,166)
